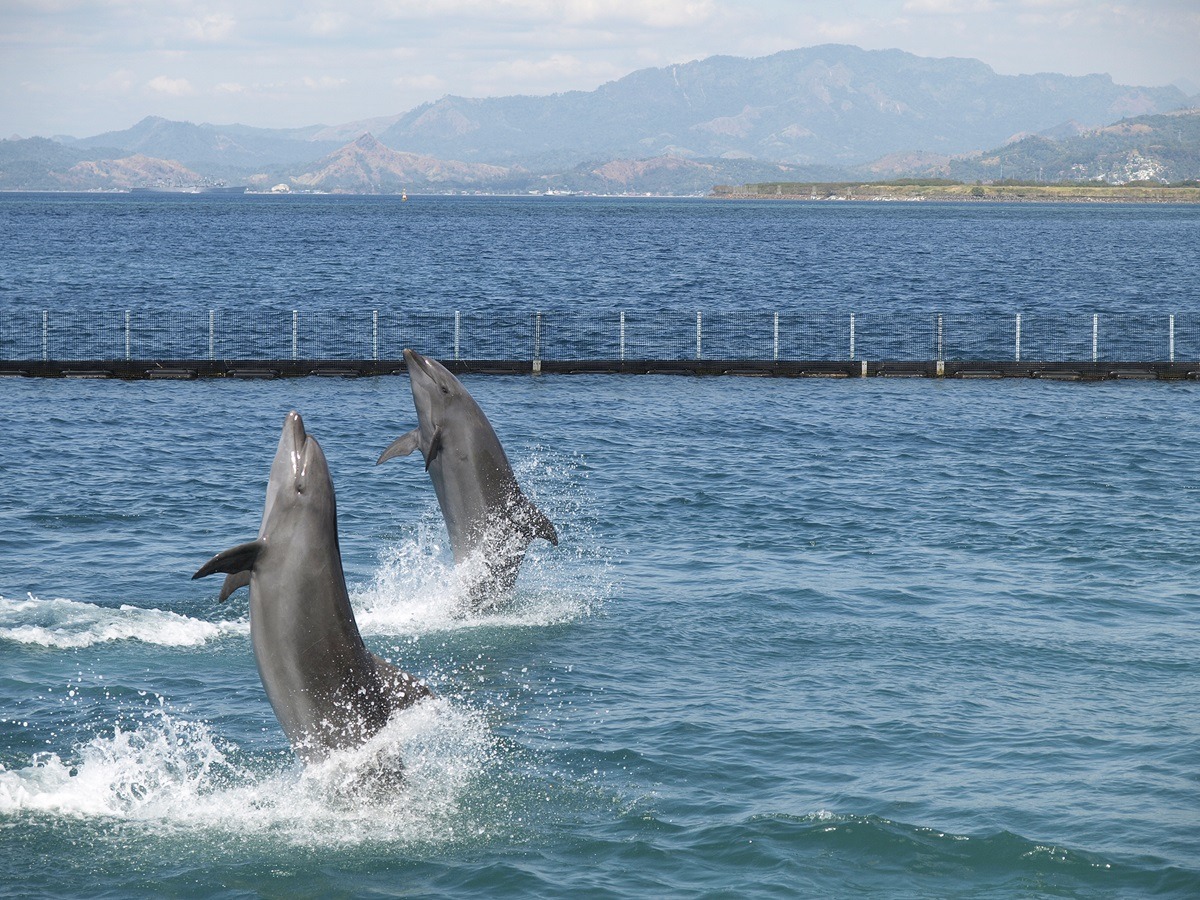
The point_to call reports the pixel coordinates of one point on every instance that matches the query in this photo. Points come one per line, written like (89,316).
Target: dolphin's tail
(534,521)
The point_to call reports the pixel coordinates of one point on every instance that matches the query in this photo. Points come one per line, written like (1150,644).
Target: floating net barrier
(369,341)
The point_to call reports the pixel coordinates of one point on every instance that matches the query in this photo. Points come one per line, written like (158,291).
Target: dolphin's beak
(415,360)
(294,438)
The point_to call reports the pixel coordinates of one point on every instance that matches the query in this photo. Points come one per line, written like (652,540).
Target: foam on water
(168,773)
(70,624)
(417,588)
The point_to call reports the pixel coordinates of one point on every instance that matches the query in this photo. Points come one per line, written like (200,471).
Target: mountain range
(819,112)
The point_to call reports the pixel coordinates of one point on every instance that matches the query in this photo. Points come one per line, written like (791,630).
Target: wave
(70,624)
(168,773)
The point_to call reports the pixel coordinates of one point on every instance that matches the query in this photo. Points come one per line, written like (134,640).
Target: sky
(82,67)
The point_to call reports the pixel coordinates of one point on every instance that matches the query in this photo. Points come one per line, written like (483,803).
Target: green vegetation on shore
(1009,190)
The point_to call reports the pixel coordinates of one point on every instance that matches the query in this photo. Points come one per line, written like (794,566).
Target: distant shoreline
(974,193)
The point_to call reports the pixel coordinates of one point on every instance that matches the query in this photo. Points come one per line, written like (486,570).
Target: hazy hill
(220,149)
(1144,148)
(366,166)
(831,104)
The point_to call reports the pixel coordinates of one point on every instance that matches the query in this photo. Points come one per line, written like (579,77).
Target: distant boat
(403,194)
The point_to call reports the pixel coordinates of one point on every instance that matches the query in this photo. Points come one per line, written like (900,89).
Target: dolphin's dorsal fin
(232,561)
(401,446)
(534,520)
(435,447)
(233,581)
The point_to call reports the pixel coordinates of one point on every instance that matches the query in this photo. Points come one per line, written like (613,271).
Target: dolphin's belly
(474,504)
(323,688)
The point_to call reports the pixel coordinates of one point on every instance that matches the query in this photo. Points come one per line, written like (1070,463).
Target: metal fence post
(537,343)
(941,359)
(78,338)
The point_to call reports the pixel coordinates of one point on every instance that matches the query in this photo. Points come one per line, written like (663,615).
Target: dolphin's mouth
(422,371)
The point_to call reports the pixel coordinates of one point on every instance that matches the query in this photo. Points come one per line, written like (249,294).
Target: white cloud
(650,13)
(327,23)
(119,81)
(548,13)
(948,7)
(424,83)
(230,87)
(172,87)
(210,28)
(529,69)
(322,82)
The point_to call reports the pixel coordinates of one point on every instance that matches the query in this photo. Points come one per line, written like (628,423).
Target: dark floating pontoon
(264,344)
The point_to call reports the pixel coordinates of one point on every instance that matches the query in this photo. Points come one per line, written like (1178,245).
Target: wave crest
(71,624)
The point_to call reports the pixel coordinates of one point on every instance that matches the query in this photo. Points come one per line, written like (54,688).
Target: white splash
(418,588)
(156,764)
(172,775)
(70,624)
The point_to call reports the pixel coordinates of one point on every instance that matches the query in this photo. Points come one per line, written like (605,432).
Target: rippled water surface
(799,637)
(502,256)
(809,637)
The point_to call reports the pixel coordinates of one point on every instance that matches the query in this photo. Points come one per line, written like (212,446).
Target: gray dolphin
(484,509)
(328,691)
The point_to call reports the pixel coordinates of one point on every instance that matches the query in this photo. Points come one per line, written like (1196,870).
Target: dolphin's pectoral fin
(401,446)
(435,447)
(233,561)
(534,521)
(403,689)
(234,581)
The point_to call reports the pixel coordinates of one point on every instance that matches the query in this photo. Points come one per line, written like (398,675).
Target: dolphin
(485,512)
(328,691)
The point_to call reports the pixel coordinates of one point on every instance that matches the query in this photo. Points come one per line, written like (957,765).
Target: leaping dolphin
(484,509)
(328,691)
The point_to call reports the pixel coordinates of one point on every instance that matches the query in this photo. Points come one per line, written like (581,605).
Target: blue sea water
(906,638)
(504,256)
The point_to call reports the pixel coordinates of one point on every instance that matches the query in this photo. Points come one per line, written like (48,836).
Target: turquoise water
(817,638)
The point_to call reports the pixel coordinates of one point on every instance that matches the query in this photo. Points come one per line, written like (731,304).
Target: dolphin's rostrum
(485,512)
(328,691)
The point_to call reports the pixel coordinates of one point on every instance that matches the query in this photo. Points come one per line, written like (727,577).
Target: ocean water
(800,637)
(510,256)
(904,638)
